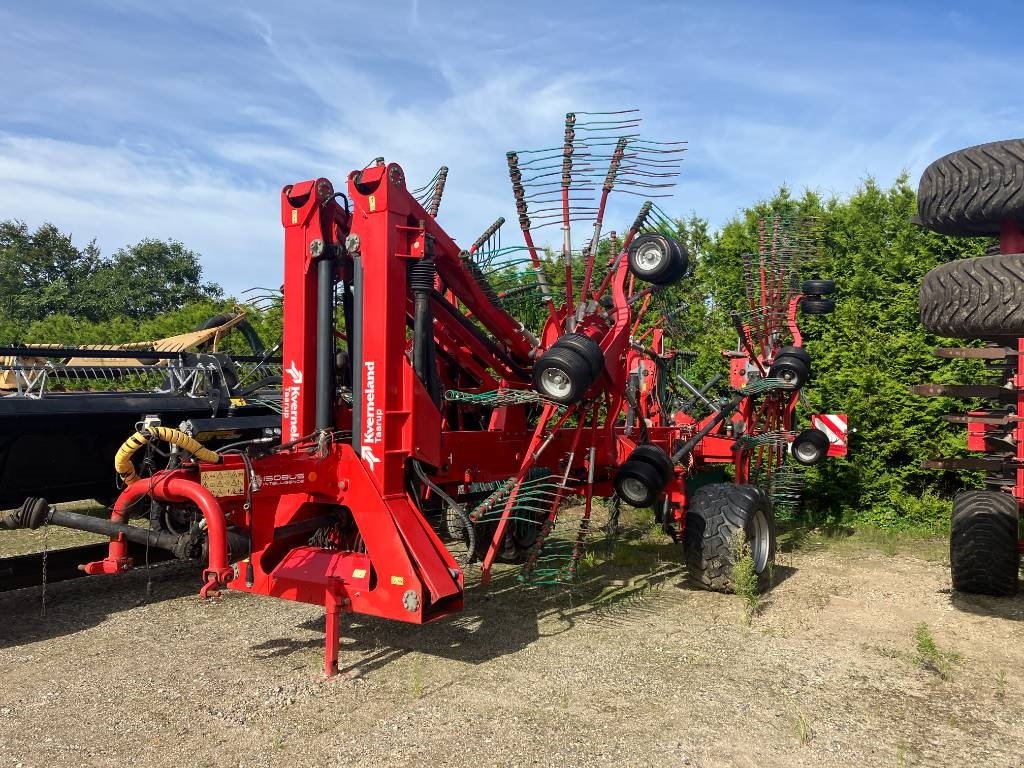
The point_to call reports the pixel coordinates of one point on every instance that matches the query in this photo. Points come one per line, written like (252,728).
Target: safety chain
(46,553)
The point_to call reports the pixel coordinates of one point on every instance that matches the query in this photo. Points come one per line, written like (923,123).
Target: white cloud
(151,122)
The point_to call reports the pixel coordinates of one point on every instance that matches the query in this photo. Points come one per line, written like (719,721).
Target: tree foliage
(43,274)
(868,354)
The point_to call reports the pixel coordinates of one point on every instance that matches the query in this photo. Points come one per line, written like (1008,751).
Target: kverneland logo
(371,431)
(290,404)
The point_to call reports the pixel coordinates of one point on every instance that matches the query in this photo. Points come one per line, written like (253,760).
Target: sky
(133,119)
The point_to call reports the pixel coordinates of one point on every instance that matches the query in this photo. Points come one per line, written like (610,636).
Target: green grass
(924,544)
(928,654)
(744,576)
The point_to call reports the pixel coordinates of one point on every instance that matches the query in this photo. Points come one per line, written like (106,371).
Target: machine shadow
(78,604)
(1006,608)
(498,620)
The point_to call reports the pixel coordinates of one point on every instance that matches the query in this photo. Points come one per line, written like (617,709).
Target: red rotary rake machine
(420,417)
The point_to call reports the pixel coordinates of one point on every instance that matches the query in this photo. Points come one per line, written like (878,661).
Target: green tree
(869,353)
(147,279)
(42,272)
(43,275)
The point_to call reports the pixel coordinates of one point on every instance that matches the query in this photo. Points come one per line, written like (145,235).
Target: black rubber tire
(792,368)
(656,457)
(812,306)
(585,347)
(714,514)
(974,190)
(648,474)
(674,259)
(983,554)
(817,438)
(975,298)
(818,287)
(798,352)
(572,365)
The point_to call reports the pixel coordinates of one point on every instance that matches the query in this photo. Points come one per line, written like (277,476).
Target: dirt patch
(828,672)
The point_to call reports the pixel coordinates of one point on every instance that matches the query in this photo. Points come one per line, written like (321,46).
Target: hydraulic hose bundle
(124,466)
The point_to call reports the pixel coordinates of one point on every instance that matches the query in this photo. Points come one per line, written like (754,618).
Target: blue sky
(129,119)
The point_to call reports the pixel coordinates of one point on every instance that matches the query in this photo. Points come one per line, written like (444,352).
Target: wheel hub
(650,257)
(555,382)
(760,541)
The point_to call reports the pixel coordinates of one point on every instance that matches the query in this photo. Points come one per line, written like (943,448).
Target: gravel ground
(631,669)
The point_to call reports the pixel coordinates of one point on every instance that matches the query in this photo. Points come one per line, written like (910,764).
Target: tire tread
(983,553)
(972,191)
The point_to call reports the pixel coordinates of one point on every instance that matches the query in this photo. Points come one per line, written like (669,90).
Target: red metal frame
(390,562)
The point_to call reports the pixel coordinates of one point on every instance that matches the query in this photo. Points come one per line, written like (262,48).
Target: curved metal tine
(430,183)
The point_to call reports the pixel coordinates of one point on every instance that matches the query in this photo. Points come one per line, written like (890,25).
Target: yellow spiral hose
(123,458)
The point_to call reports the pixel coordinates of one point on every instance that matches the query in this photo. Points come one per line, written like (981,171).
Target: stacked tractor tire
(979,192)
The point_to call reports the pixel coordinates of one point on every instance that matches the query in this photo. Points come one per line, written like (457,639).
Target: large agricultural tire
(974,190)
(983,554)
(975,298)
(717,515)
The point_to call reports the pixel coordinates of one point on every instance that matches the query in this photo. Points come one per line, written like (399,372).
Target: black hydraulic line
(719,417)
(346,308)
(459,509)
(355,347)
(494,349)
(421,276)
(266,381)
(325,341)
(311,525)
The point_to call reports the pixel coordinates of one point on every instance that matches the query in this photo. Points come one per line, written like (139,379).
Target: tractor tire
(657,259)
(818,287)
(585,347)
(971,192)
(975,298)
(983,554)
(815,306)
(716,516)
(562,375)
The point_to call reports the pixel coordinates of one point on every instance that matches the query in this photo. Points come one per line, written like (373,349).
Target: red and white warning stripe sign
(836,428)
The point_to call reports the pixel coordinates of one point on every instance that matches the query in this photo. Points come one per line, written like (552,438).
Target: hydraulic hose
(123,458)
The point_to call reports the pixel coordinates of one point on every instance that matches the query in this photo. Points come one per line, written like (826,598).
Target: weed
(1001,685)
(801,726)
(929,656)
(744,575)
